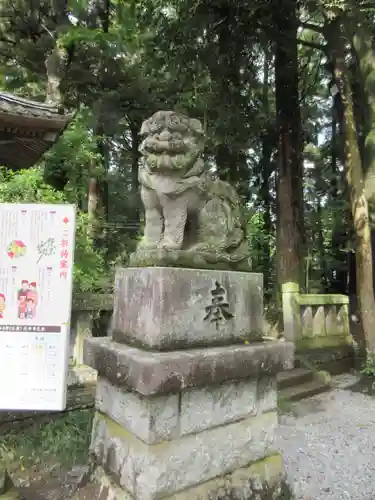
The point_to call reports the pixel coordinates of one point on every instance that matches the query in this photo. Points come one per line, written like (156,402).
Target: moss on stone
(322,299)
(185,259)
(290,287)
(116,430)
(127,338)
(11,495)
(321,342)
(261,480)
(324,376)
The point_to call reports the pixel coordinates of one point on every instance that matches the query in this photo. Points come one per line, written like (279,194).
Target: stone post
(291,311)
(83,330)
(186,397)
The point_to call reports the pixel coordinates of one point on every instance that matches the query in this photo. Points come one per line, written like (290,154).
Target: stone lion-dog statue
(191,218)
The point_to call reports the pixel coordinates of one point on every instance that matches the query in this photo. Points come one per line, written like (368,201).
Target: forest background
(285,90)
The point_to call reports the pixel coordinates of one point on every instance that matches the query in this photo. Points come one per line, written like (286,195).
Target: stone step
(303,391)
(294,377)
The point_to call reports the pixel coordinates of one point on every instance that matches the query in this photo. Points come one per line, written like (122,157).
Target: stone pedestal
(176,420)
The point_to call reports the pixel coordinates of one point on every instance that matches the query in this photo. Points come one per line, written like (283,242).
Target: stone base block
(159,471)
(151,373)
(168,308)
(186,424)
(166,417)
(261,480)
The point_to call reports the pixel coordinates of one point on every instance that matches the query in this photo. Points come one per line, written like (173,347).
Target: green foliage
(369,367)
(73,159)
(261,243)
(63,441)
(213,62)
(91,273)
(28,186)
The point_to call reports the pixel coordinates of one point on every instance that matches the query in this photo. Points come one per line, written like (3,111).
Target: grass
(62,441)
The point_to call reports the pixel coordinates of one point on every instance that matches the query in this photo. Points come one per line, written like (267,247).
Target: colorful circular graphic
(16,248)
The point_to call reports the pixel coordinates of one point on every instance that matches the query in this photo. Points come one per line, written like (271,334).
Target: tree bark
(92,206)
(268,141)
(365,76)
(135,212)
(339,242)
(289,192)
(57,61)
(355,178)
(100,13)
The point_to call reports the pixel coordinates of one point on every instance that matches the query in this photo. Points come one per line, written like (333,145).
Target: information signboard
(36,271)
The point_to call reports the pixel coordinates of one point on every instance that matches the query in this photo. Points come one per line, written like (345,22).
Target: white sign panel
(36,270)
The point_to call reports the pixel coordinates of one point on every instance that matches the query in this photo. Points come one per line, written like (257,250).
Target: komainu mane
(191,218)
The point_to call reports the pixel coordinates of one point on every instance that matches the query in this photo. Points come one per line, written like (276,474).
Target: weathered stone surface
(78,476)
(342,321)
(162,418)
(267,394)
(212,406)
(80,376)
(186,207)
(162,257)
(262,480)
(107,489)
(319,326)
(153,472)
(168,308)
(307,322)
(331,326)
(150,373)
(152,419)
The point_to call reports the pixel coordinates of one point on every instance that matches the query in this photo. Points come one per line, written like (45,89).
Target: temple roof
(27,130)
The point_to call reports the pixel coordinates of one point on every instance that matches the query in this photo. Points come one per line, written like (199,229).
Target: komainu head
(172,141)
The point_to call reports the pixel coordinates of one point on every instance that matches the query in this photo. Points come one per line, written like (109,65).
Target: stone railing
(85,308)
(315,321)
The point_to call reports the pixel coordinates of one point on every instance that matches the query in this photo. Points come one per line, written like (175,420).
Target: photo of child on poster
(27,298)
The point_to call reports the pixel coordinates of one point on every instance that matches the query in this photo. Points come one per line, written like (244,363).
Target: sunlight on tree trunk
(92,207)
(354,174)
(56,65)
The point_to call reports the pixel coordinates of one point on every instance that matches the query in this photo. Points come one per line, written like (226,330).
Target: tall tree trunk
(355,178)
(135,212)
(319,236)
(268,141)
(99,15)
(339,242)
(56,65)
(363,49)
(102,187)
(265,166)
(92,207)
(289,192)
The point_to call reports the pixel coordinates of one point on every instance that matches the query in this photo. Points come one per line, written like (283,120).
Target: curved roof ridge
(13,99)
